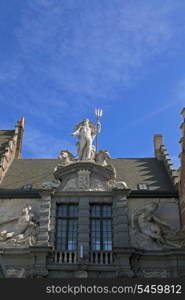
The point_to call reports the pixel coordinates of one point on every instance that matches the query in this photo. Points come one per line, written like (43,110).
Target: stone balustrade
(101,257)
(71,257)
(65,257)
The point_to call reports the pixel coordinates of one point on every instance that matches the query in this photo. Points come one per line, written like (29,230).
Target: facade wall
(128,260)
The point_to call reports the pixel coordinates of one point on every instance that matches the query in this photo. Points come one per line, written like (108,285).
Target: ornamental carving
(66,157)
(49,185)
(24,229)
(84,179)
(150,232)
(103,157)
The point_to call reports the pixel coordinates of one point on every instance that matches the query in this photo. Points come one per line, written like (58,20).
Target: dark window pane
(96,246)
(95,211)
(101,227)
(66,223)
(62,210)
(107,211)
(107,246)
(73,210)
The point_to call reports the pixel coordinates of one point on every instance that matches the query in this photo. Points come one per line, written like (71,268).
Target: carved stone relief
(71,185)
(66,157)
(84,182)
(48,185)
(15,273)
(86,176)
(150,232)
(84,179)
(103,157)
(98,185)
(118,185)
(24,229)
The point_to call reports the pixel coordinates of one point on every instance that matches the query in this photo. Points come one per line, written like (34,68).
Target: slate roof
(5,136)
(131,170)
(142,170)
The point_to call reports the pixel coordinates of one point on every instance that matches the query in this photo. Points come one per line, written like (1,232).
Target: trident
(98,113)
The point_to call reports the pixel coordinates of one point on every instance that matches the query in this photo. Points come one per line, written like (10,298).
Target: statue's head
(104,154)
(153,206)
(63,154)
(26,209)
(86,121)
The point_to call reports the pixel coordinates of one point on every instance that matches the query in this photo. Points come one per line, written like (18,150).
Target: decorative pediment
(84,176)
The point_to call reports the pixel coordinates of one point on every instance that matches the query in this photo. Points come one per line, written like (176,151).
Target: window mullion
(101,228)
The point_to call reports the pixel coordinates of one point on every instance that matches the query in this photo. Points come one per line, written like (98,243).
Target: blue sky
(60,59)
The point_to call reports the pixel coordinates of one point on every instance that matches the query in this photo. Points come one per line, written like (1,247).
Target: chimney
(182,171)
(19,131)
(158,142)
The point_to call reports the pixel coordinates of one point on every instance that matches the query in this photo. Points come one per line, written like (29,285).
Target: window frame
(143,186)
(101,218)
(67,217)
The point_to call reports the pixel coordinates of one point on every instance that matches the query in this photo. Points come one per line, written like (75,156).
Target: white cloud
(77,53)
(88,49)
(153,114)
(85,49)
(42,145)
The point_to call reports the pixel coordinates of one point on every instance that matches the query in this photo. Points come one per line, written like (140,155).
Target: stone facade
(147,238)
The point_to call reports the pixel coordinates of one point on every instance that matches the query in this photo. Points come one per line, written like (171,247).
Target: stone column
(121,240)
(83,228)
(120,221)
(45,206)
(39,268)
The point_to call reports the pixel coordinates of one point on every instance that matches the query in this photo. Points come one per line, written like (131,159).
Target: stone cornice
(14,193)
(131,194)
(153,194)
